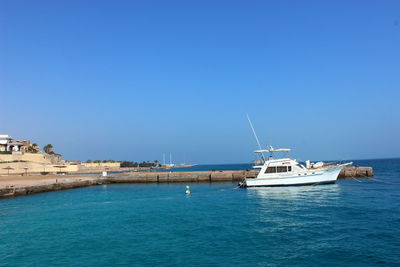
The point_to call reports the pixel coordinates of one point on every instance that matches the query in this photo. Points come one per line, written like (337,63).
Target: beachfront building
(7,144)
(4,140)
(22,157)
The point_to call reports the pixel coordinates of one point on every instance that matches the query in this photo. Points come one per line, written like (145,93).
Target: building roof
(18,143)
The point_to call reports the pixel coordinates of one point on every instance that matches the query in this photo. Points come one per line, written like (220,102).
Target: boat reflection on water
(281,209)
(301,193)
(293,213)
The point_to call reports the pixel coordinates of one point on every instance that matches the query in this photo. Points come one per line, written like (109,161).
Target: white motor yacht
(286,171)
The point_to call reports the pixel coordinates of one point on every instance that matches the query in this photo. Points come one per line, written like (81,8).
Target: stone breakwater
(349,172)
(160,177)
(13,191)
(215,176)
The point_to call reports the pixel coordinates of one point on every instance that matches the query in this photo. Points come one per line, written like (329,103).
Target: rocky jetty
(12,191)
(356,171)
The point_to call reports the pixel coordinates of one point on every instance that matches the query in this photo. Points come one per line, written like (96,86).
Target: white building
(4,141)
(10,145)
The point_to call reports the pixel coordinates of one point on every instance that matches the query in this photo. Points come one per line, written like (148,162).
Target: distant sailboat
(170,165)
(184,164)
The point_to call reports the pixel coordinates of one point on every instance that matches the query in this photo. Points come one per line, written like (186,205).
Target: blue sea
(350,223)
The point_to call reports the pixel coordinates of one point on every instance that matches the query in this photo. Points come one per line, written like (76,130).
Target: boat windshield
(258,162)
(279,154)
(273,154)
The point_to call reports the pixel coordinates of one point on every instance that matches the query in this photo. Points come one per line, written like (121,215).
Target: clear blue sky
(133,79)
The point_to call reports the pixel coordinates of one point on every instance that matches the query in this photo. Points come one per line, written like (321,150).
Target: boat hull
(328,176)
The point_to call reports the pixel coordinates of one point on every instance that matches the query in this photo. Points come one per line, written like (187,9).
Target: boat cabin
(275,166)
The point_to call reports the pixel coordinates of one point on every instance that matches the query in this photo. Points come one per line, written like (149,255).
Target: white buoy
(187,190)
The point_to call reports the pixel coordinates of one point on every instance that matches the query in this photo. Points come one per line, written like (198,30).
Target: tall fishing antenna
(255,135)
(254,132)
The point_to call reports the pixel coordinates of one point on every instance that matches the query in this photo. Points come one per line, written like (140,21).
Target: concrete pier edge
(165,177)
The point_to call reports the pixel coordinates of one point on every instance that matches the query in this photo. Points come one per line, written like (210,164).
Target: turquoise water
(349,223)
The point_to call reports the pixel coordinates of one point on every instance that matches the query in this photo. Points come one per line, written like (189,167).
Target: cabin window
(289,168)
(282,169)
(270,170)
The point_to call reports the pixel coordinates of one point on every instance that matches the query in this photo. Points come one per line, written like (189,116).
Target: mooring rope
(374,179)
(381,181)
(356,179)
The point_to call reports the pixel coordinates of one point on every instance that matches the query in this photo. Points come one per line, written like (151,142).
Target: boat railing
(258,162)
(331,163)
